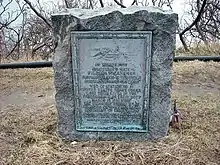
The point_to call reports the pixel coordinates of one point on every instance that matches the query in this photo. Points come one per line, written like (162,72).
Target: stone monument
(113,72)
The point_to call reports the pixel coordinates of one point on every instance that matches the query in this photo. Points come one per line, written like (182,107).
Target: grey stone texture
(163,25)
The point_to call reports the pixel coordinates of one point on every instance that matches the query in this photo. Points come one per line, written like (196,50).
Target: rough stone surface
(163,27)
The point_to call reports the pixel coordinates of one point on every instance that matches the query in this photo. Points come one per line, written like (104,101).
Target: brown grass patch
(28,132)
(26,79)
(196,72)
(20,59)
(200,50)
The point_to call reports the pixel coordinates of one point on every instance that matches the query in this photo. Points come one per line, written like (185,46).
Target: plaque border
(75,37)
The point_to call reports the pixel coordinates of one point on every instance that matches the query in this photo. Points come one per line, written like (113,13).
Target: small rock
(73,143)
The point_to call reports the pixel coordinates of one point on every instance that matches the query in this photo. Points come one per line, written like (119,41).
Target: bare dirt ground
(28,123)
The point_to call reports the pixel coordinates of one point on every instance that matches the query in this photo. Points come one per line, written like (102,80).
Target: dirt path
(20,97)
(196,89)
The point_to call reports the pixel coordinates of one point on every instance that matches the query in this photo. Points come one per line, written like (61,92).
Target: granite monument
(113,72)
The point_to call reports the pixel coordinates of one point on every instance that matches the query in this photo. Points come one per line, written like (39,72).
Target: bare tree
(195,21)
(10,30)
(37,38)
(205,24)
(208,26)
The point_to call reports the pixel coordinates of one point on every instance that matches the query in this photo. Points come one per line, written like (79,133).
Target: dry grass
(196,72)
(26,79)
(20,59)
(28,131)
(200,50)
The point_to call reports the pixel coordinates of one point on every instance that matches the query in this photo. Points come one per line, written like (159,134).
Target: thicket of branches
(26,31)
(205,26)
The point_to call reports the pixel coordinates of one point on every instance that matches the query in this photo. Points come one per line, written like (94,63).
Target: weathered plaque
(111,75)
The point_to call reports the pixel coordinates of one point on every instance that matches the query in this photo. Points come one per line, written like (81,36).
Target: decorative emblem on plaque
(109,54)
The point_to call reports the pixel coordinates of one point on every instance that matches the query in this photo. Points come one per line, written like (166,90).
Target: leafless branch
(191,25)
(120,4)
(5,7)
(10,18)
(101,3)
(134,2)
(91,4)
(37,13)
(161,3)
(66,4)
(169,2)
